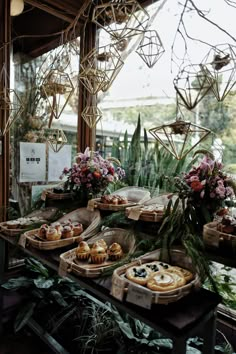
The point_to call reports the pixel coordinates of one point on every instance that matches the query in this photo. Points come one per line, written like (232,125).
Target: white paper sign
(140,296)
(57,161)
(32,162)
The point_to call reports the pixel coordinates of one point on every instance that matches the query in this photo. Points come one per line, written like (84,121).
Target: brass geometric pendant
(91,115)
(100,67)
(150,48)
(192,84)
(11,104)
(179,137)
(57,89)
(220,66)
(121,19)
(56,139)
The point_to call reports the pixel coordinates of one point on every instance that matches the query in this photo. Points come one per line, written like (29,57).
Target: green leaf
(58,297)
(35,266)
(24,315)
(16,283)
(43,283)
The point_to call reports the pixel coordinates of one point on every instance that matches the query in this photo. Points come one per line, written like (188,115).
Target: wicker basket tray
(69,263)
(214,238)
(151,211)
(135,195)
(10,232)
(57,196)
(120,284)
(31,238)
(89,220)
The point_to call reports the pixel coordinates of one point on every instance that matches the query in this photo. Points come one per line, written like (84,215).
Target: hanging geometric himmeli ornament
(99,68)
(57,88)
(220,66)
(11,104)
(192,84)
(56,139)
(150,48)
(121,19)
(91,115)
(179,137)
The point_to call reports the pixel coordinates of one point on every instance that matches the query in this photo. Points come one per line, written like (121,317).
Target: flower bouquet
(91,174)
(206,188)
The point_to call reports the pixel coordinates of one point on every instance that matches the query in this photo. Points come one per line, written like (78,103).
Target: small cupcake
(67,232)
(77,228)
(42,231)
(98,254)
(83,251)
(52,234)
(58,226)
(115,252)
(101,243)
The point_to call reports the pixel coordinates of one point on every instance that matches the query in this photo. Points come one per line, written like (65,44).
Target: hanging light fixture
(11,104)
(16,7)
(179,137)
(56,139)
(91,115)
(150,48)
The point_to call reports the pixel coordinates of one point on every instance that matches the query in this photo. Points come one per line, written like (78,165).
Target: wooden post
(86,135)
(5,39)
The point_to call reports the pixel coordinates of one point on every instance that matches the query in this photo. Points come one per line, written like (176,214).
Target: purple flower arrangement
(207,185)
(91,173)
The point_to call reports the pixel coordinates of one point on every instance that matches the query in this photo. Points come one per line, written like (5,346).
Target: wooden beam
(5,40)
(50,10)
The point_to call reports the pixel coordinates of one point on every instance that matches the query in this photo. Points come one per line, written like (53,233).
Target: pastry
(52,234)
(83,251)
(162,281)
(42,231)
(58,226)
(156,266)
(67,232)
(13,224)
(122,200)
(186,273)
(101,243)
(115,252)
(98,254)
(77,228)
(179,277)
(139,274)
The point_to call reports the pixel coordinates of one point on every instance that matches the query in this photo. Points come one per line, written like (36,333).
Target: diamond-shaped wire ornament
(220,66)
(179,137)
(100,67)
(10,103)
(56,139)
(150,48)
(57,89)
(192,84)
(121,19)
(91,115)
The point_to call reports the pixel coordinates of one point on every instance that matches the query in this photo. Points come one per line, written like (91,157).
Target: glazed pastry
(101,243)
(83,251)
(58,226)
(67,232)
(77,228)
(52,234)
(122,200)
(42,231)
(179,277)
(156,266)
(162,281)
(188,276)
(139,274)
(115,252)
(98,254)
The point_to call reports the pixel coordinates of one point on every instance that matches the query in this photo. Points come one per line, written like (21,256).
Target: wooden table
(193,315)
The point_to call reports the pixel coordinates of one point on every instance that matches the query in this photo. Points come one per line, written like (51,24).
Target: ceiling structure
(40,26)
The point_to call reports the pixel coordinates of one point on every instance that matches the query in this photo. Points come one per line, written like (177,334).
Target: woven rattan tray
(57,196)
(135,195)
(10,232)
(214,238)
(89,220)
(120,284)
(69,262)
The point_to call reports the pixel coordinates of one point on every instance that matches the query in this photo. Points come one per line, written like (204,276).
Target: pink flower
(193,178)
(196,186)
(220,191)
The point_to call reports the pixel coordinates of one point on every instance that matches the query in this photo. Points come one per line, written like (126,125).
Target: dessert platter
(167,281)
(222,232)
(120,199)
(73,227)
(90,259)
(18,226)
